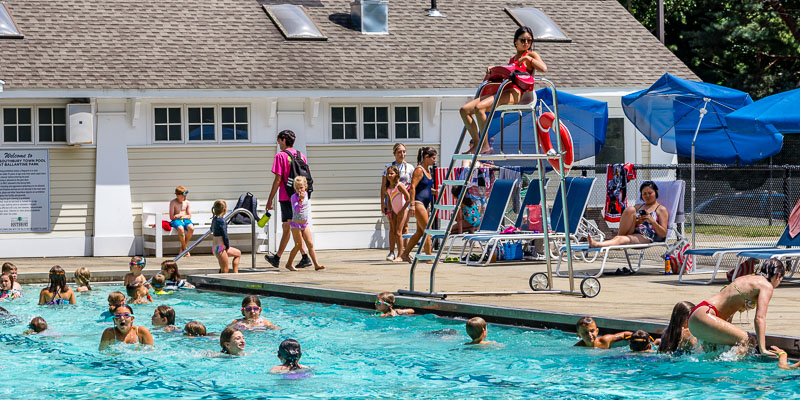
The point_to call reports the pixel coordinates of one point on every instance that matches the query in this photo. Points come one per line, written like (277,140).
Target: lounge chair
(671,196)
(578,191)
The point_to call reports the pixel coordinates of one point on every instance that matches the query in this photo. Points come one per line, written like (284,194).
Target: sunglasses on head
(251,308)
(122,315)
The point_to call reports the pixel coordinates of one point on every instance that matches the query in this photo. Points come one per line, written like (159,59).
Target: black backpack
(249,203)
(298,167)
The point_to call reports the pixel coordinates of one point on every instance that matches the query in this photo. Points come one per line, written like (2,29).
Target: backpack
(298,167)
(249,203)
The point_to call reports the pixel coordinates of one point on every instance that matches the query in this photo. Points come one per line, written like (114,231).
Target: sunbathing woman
(710,320)
(641,224)
(476,109)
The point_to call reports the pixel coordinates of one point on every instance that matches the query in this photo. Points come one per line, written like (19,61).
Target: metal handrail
(228,219)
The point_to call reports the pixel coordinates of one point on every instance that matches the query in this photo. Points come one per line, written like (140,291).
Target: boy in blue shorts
(180,214)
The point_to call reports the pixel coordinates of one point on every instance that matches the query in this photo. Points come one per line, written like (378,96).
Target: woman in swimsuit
(476,109)
(398,198)
(124,331)
(57,292)
(642,224)
(709,321)
(422,192)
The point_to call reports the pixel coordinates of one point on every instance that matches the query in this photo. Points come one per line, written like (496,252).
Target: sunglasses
(525,40)
(123,315)
(251,308)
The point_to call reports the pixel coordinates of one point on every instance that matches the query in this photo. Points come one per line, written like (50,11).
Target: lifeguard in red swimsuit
(523,39)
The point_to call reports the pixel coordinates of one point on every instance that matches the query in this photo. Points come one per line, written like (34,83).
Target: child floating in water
(194,329)
(641,342)
(587,331)
(251,310)
(477,331)
(232,341)
(158,283)
(82,277)
(37,325)
(164,316)
(385,305)
(7,291)
(174,282)
(289,353)
(12,269)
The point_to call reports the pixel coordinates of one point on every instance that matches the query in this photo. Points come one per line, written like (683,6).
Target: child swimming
(232,341)
(289,353)
(124,331)
(37,325)
(164,316)
(174,282)
(7,291)
(194,329)
(641,342)
(138,295)
(115,299)
(12,269)
(385,305)
(477,331)
(135,278)
(588,332)
(676,336)
(82,277)
(251,310)
(57,293)
(158,283)
(300,224)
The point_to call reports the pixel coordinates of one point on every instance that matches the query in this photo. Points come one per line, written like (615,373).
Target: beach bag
(166,225)
(679,254)
(249,203)
(298,167)
(535,218)
(747,267)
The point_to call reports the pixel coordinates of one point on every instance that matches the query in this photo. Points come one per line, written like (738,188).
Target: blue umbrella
(688,119)
(772,115)
(585,118)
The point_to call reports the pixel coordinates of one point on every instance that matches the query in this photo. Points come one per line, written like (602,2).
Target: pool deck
(647,296)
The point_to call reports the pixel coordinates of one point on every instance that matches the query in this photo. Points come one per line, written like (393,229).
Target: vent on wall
(371,16)
(544,29)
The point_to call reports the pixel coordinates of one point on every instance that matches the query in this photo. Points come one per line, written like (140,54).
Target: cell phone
(642,212)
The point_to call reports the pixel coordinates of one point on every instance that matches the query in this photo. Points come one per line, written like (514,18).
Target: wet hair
(123,306)
(171,268)
(9,267)
(456,191)
(651,185)
(38,324)
(251,299)
(386,297)
(672,334)
(159,279)
(397,146)
(390,183)
(585,321)
(521,31)
(425,151)
(226,336)
(166,312)
(290,351)
(194,328)
(116,298)
(180,190)
(287,136)
(82,276)
(771,268)
(640,340)
(300,181)
(10,280)
(58,282)
(475,327)
(137,292)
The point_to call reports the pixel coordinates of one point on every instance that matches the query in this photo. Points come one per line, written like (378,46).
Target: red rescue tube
(543,127)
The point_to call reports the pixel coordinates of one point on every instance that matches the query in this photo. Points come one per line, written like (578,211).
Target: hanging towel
(794,221)
(513,173)
(617,177)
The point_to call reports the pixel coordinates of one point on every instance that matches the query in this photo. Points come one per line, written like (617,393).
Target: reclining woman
(709,320)
(476,109)
(643,224)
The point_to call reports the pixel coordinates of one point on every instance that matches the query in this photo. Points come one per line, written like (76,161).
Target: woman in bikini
(124,331)
(57,293)
(475,110)
(642,224)
(710,320)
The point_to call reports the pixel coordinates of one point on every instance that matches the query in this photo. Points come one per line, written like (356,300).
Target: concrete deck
(646,296)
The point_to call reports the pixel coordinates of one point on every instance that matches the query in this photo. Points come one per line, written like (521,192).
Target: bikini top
(518,61)
(748,304)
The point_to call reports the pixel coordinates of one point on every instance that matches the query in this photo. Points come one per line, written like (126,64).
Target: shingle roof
(232,44)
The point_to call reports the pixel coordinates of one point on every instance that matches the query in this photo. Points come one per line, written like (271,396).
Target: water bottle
(264,219)
(667,265)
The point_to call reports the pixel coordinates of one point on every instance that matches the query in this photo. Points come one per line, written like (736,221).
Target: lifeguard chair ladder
(528,103)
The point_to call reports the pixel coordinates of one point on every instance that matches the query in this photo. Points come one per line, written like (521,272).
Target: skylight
(293,22)
(544,29)
(8,28)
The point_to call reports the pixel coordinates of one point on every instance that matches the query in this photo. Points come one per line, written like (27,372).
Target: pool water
(354,354)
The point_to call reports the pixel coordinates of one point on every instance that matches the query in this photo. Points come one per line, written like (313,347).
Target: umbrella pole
(703,112)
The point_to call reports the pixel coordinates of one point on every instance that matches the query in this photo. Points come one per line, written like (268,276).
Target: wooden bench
(155,238)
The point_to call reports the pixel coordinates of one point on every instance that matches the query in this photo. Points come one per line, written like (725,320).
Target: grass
(739,231)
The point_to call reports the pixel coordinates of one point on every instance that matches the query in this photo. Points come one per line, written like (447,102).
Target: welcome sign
(24,191)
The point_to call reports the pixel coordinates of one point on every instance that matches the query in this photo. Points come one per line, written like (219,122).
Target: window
(17,125)
(294,22)
(344,124)
(8,28)
(613,152)
(201,123)
(376,122)
(52,124)
(234,123)
(168,124)
(406,123)
(544,29)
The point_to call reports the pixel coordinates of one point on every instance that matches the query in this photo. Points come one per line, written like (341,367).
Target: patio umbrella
(688,118)
(776,114)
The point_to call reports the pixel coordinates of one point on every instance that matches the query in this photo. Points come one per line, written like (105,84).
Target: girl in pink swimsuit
(300,224)
(397,197)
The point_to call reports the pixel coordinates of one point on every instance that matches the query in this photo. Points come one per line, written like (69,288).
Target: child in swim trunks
(174,282)
(385,305)
(220,244)
(115,299)
(180,214)
(289,353)
(82,277)
(251,311)
(641,342)
(164,316)
(194,329)
(12,269)
(232,341)
(300,223)
(158,283)
(135,278)
(588,332)
(7,291)
(477,331)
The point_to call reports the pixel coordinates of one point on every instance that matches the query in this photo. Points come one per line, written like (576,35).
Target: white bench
(155,238)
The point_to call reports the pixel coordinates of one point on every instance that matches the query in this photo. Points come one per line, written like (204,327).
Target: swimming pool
(354,355)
